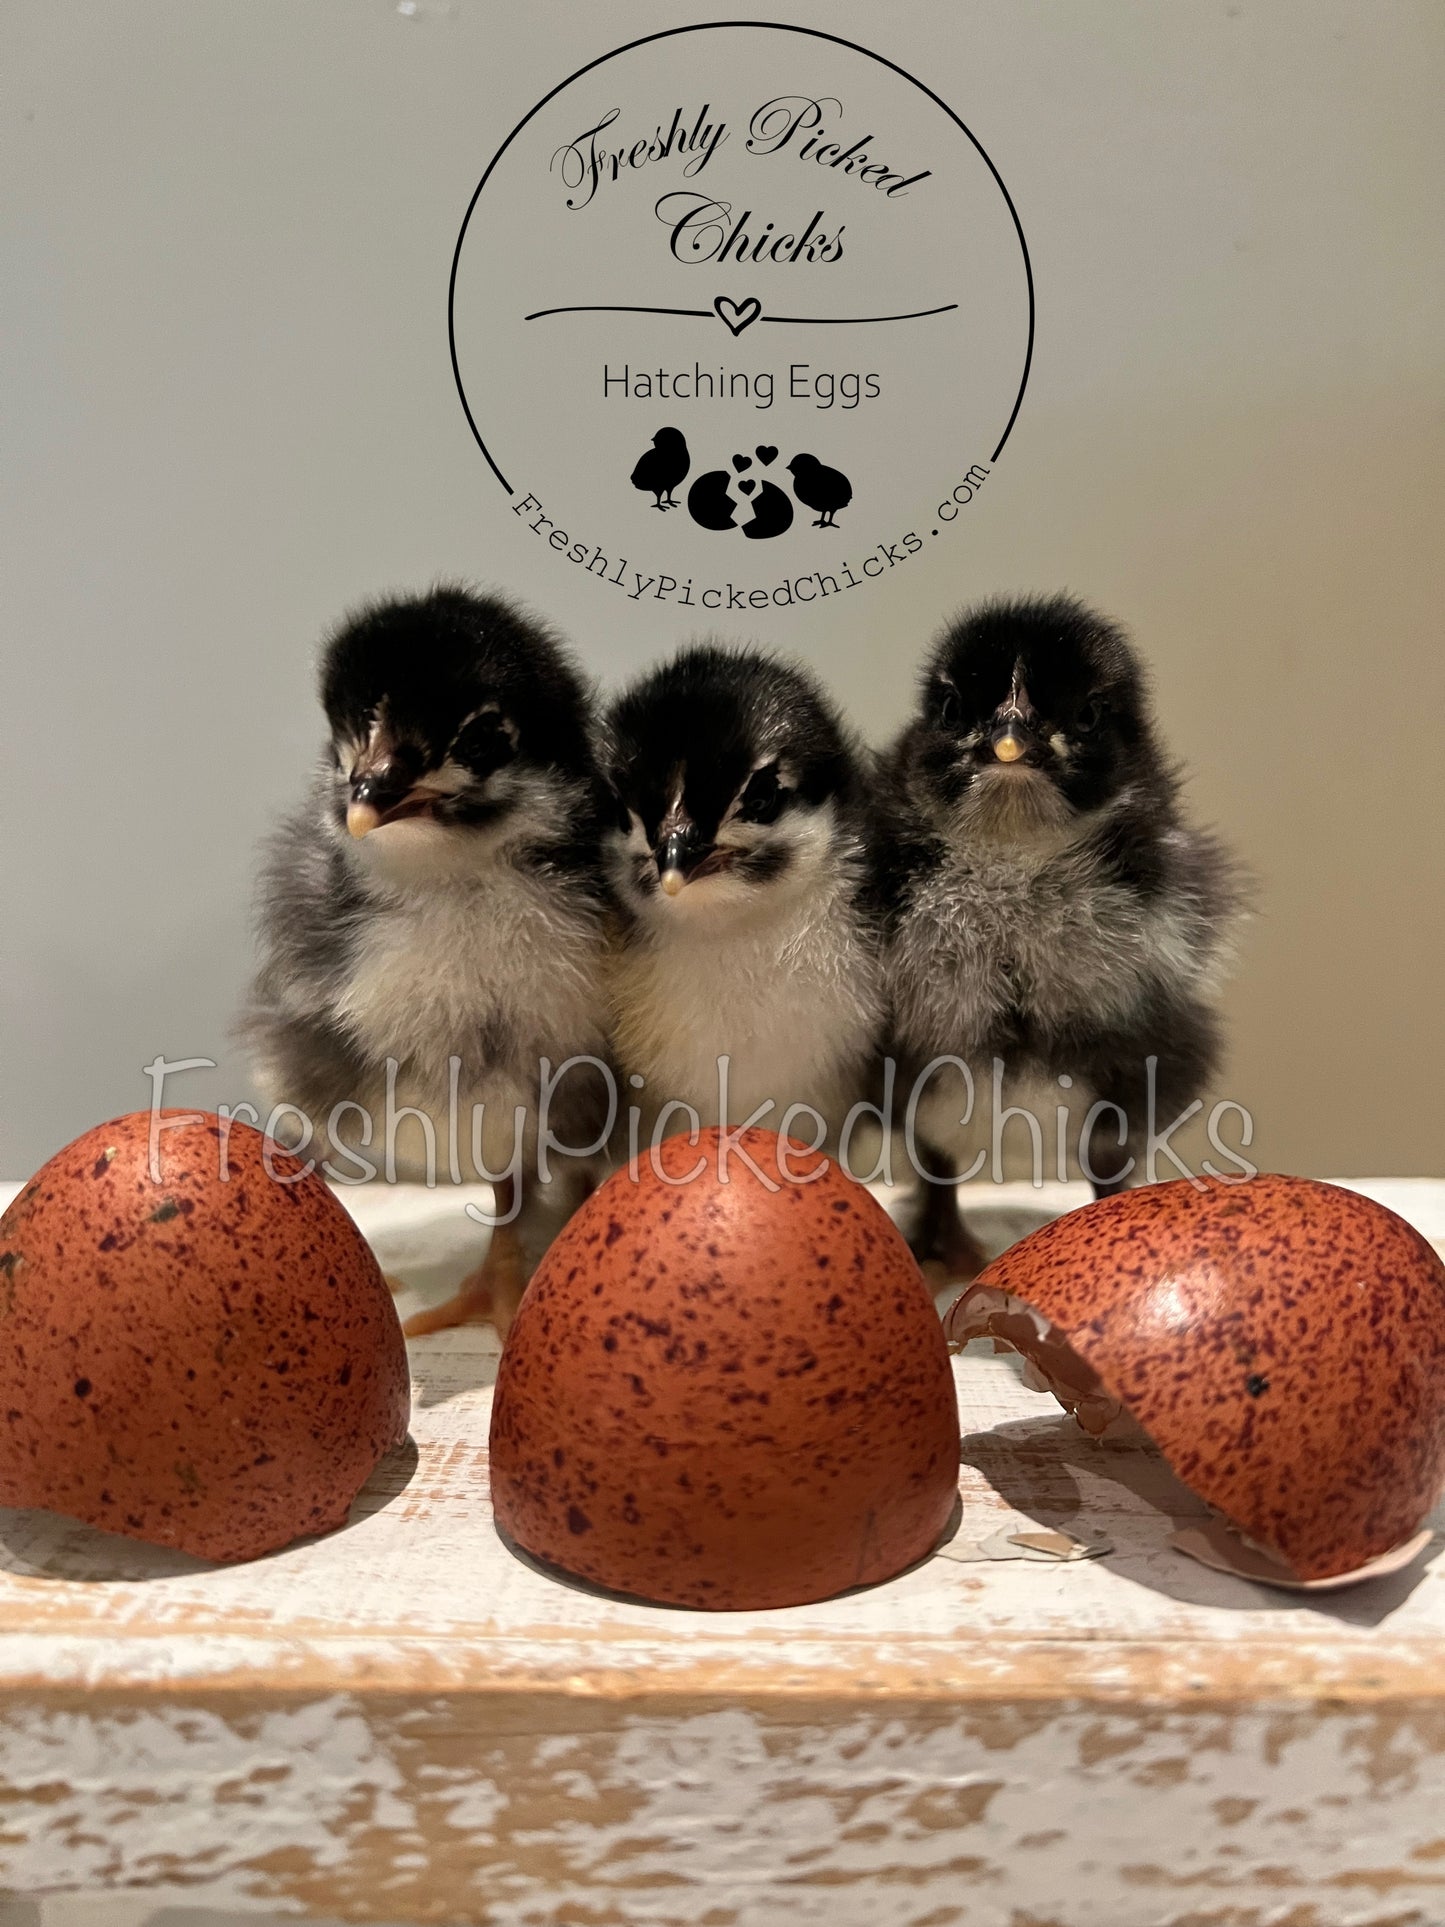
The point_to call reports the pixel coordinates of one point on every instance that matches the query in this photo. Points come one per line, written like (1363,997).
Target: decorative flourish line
(704,314)
(849,320)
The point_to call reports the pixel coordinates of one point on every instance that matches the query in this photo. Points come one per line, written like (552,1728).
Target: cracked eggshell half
(208,1362)
(727,1395)
(1281,1341)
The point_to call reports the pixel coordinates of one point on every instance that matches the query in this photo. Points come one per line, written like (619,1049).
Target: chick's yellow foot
(470,1304)
(489,1295)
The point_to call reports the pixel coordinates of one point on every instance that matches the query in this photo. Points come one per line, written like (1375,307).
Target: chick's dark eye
(762,797)
(482,745)
(1088,718)
(948,710)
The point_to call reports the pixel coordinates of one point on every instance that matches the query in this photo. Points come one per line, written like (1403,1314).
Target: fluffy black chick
(434,914)
(663,467)
(1046,905)
(739,862)
(819,487)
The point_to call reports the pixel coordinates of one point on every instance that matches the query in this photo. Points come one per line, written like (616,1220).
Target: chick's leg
(491,1294)
(947,1251)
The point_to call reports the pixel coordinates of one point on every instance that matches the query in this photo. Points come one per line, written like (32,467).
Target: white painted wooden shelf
(404,1722)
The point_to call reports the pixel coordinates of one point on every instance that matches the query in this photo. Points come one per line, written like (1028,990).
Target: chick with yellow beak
(1010,737)
(677,854)
(744,983)
(384,786)
(434,928)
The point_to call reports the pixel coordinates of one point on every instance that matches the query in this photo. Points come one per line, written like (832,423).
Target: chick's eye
(762,797)
(1088,718)
(483,744)
(948,709)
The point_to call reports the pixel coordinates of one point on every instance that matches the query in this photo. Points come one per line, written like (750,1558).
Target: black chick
(739,863)
(663,467)
(435,910)
(821,488)
(1046,906)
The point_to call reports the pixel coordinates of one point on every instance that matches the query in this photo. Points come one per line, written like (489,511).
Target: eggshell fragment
(727,1395)
(1280,1340)
(1216,1543)
(209,1363)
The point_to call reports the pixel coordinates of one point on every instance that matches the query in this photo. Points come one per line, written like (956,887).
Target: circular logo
(741,316)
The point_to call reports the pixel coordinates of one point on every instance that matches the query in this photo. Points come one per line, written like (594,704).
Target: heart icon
(748,486)
(766,454)
(737,314)
(740,462)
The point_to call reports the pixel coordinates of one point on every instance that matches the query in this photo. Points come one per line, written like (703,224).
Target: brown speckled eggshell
(213,1366)
(721,1396)
(1282,1341)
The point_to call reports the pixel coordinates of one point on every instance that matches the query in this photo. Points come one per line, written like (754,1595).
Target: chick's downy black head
(451,709)
(1032,707)
(728,768)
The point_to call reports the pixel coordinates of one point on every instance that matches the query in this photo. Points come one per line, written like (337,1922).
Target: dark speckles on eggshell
(1282,1341)
(149,1354)
(740,1425)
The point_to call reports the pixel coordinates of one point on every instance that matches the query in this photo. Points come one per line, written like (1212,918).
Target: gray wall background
(229,412)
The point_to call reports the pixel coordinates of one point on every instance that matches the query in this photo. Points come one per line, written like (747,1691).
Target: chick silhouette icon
(817,487)
(663,467)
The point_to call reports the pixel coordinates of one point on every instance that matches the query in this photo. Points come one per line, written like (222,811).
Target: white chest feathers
(788,992)
(500,968)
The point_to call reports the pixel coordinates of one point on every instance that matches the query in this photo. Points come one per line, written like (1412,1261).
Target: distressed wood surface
(405,1722)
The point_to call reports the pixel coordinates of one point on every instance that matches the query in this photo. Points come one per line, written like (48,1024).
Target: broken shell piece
(1049,1363)
(1045,1544)
(1216,1543)
(852,1475)
(1053,1546)
(1281,1342)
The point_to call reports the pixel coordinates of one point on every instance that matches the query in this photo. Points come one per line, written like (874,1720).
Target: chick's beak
(361,817)
(1009,742)
(382,794)
(1013,735)
(676,854)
